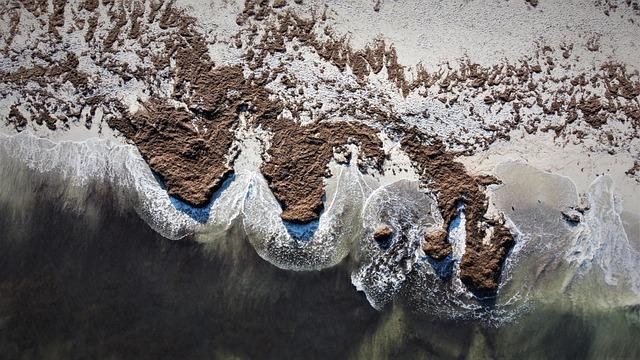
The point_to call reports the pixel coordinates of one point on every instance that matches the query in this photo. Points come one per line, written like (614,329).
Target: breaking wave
(589,260)
(80,163)
(304,247)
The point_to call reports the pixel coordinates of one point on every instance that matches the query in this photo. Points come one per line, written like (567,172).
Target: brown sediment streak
(137,13)
(448,179)
(90,5)
(92,24)
(120,18)
(635,169)
(14,21)
(517,85)
(335,49)
(56,19)
(298,157)
(16,118)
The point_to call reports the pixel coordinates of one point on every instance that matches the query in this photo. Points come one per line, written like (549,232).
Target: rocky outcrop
(190,152)
(481,264)
(437,245)
(297,160)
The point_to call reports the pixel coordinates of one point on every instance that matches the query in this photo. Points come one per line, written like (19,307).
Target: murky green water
(88,279)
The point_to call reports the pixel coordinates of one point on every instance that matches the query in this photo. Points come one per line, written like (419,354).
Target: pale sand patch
(576,162)
(487,32)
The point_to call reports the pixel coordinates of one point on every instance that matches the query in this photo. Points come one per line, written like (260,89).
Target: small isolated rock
(593,44)
(573,216)
(489,100)
(376,6)
(382,234)
(634,169)
(583,206)
(436,245)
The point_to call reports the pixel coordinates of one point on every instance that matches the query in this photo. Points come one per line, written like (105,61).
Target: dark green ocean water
(88,279)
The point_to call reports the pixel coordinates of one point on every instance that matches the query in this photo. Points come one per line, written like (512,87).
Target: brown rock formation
(382,234)
(436,245)
(188,151)
(298,158)
(191,148)
(481,264)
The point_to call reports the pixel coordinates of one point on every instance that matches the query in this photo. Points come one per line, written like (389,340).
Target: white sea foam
(602,245)
(410,214)
(320,245)
(551,256)
(586,260)
(80,162)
